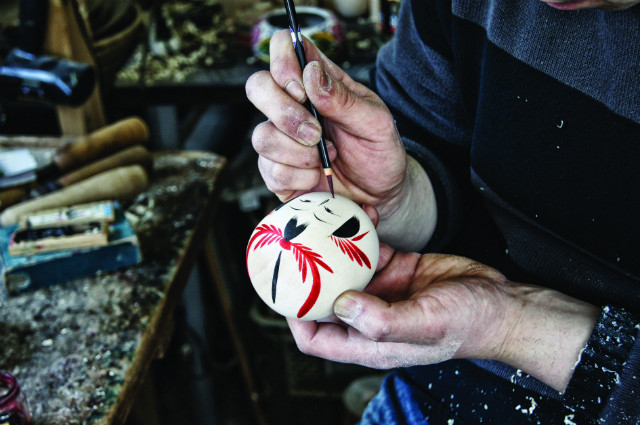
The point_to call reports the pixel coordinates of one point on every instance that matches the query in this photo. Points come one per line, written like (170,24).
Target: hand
(424,309)
(367,156)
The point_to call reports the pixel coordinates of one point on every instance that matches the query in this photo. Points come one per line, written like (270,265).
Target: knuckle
(290,122)
(304,347)
(343,97)
(254,83)
(265,171)
(336,96)
(379,331)
(280,70)
(260,136)
(280,177)
(276,176)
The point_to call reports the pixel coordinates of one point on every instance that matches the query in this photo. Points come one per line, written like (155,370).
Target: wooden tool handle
(137,154)
(12,196)
(106,140)
(134,155)
(120,183)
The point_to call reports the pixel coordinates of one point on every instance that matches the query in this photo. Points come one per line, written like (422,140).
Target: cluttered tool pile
(81,348)
(60,216)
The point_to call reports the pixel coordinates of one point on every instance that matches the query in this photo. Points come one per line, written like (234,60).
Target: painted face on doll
(308,251)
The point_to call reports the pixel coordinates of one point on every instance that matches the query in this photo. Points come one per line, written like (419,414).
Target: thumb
(351,105)
(378,320)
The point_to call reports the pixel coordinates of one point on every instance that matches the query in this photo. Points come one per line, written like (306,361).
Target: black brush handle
(302,60)
(295,32)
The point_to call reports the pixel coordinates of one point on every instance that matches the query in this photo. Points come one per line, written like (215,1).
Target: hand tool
(111,138)
(26,73)
(118,184)
(134,155)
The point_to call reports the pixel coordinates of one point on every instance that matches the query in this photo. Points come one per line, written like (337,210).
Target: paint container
(350,8)
(319,25)
(14,409)
(389,12)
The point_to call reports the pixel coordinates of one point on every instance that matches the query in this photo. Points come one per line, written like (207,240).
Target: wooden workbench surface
(80,350)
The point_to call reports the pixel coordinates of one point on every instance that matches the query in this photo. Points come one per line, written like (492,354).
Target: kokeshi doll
(308,251)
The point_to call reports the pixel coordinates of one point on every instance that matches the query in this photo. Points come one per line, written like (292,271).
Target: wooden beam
(69,36)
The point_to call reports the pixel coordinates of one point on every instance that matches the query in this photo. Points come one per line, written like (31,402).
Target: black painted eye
(300,204)
(330,211)
(292,229)
(349,229)
(282,205)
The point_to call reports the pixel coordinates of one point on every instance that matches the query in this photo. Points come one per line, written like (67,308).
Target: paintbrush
(302,59)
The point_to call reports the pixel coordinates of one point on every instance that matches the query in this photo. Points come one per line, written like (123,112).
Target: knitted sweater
(527,120)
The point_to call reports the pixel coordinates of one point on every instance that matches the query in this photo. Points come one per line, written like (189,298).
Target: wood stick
(118,184)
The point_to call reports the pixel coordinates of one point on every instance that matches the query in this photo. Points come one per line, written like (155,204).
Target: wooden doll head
(308,251)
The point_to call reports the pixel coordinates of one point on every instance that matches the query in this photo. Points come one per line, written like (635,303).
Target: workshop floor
(231,361)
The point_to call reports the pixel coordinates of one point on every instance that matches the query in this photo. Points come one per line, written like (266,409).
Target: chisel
(108,139)
(137,154)
(118,184)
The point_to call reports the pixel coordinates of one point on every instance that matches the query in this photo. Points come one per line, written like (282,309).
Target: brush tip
(330,181)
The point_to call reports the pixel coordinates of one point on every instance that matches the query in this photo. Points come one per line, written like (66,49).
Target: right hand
(367,156)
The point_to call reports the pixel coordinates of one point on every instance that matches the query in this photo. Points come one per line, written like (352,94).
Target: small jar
(14,409)
(350,8)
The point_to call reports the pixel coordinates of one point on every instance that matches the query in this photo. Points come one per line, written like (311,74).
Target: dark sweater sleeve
(447,192)
(416,81)
(605,387)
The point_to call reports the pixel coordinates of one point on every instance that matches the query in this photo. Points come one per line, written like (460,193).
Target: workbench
(81,350)
(213,66)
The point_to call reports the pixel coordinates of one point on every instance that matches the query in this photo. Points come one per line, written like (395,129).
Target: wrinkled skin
(424,309)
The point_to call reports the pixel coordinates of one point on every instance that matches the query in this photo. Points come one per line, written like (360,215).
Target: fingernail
(347,308)
(325,80)
(295,90)
(309,133)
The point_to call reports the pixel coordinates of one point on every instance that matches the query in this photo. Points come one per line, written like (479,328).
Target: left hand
(418,309)
(424,309)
